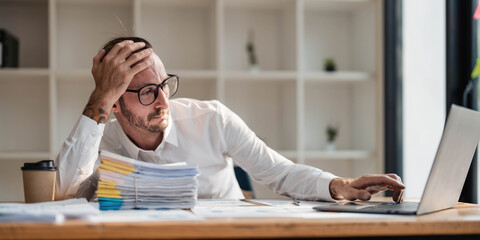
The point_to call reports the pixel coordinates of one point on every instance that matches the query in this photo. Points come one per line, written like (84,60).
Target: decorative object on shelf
(476,15)
(476,70)
(8,49)
(332,133)
(252,58)
(329,65)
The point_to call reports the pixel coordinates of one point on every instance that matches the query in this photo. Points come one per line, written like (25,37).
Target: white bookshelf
(288,102)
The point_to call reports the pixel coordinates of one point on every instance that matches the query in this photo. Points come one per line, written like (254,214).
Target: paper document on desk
(125,183)
(242,212)
(54,212)
(203,203)
(144,216)
(276,202)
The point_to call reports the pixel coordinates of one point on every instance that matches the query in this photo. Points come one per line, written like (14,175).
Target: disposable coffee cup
(39,181)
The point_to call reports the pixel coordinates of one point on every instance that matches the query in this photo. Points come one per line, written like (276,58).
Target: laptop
(455,152)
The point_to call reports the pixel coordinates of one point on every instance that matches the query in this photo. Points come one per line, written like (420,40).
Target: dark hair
(109,45)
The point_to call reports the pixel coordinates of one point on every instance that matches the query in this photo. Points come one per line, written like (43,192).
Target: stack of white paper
(126,183)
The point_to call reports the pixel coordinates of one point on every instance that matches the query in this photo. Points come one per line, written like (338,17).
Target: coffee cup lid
(46,165)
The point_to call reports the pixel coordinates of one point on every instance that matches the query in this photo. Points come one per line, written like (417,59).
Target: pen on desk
(296,202)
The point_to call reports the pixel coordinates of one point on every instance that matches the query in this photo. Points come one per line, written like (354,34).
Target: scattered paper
(274,202)
(54,212)
(221,203)
(242,212)
(144,216)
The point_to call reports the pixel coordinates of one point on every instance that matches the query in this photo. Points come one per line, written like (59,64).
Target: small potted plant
(330,65)
(332,133)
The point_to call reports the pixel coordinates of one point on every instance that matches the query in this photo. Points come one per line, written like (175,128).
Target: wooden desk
(462,220)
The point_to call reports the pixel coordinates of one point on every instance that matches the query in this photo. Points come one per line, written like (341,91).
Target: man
(131,81)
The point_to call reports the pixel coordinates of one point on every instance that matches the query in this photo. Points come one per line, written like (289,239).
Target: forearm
(77,157)
(270,168)
(99,106)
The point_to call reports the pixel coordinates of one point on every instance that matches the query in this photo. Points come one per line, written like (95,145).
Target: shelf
(338,154)
(24,155)
(259,5)
(335,5)
(193,74)
(23,72)
(261,75)
(338,77)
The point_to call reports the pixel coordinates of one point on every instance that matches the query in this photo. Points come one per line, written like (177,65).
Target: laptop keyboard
(405,206)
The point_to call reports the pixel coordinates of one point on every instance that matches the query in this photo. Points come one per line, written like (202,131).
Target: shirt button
(94,134)
(80,172)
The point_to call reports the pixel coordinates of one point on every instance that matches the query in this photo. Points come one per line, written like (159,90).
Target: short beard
(140,123)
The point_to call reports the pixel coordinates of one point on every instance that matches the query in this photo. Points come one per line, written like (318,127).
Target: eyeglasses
(149,93)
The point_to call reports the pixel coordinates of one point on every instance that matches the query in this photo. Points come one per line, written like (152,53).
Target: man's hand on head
(364,187)
(113,72)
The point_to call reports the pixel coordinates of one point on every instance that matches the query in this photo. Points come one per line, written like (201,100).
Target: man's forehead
(153,74)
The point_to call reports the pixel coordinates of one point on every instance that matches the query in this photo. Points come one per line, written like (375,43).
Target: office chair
(244,182)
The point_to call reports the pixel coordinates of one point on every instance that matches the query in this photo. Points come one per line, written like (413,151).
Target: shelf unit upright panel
(182,32)
(27,20)
(300,89)
(368,98)
(272,27)
(268,108)
(83,26)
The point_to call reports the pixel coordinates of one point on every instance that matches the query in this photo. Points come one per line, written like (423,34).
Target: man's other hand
(364,187)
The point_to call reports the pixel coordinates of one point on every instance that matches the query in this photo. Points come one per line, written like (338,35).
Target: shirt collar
(169,136)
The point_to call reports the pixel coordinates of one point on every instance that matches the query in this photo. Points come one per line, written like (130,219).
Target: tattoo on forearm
(96,113)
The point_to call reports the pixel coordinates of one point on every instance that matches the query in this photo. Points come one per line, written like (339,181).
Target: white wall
(424,76)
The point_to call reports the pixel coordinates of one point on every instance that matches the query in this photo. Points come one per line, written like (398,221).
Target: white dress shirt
(205,133)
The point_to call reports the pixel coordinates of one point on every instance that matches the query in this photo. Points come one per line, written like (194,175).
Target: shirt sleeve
(268,167)
(76,160)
